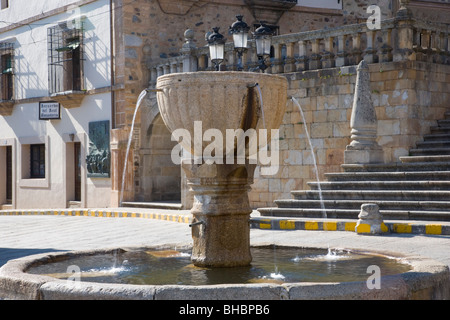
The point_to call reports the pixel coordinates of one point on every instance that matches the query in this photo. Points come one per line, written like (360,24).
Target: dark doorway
(9,174)
(77,166)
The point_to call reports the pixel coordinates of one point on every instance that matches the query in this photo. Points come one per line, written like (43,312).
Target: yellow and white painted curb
(270,223)
(175,217)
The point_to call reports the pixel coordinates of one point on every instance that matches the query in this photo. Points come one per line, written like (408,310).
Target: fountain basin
(220,101)
(426,279)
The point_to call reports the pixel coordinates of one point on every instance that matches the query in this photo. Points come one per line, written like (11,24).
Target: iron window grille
(6,70)
(37,161)
(65,58)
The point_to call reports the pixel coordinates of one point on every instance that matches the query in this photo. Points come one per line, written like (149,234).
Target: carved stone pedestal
(221,212)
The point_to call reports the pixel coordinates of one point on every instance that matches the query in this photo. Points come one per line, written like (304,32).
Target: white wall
(31,81)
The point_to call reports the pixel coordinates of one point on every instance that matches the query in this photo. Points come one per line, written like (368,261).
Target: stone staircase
(416,188)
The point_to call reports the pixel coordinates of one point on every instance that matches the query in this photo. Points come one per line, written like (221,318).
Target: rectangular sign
(49,110)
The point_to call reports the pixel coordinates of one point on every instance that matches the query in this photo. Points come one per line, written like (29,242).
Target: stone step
(433,144)
(439,130)
(443,123)
(372,195)
(380,185)
(356,204)
(389,176)
(430,151)
(353,214)
(434,137)
(395,167)
(153,205)
(432,158)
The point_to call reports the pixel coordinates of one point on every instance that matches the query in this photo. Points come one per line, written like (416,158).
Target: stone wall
(408,97)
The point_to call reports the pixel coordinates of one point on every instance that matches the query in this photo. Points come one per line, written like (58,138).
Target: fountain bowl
(426,279)
(221,100)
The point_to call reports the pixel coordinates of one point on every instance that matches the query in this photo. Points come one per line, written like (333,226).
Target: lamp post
(263,38)
(239,29)
(216,43)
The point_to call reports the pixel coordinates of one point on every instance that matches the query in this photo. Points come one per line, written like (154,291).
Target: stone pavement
(26,234)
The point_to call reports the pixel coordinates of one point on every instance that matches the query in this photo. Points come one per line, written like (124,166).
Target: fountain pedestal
(221,212)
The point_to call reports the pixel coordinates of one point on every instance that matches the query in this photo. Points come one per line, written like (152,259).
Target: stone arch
(160,178)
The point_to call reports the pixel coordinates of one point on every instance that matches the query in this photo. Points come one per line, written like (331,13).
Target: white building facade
(55,104)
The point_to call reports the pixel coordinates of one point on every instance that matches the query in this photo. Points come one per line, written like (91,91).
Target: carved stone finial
(363,122)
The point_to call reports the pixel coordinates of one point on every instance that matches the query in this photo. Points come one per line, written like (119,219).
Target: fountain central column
(221,212)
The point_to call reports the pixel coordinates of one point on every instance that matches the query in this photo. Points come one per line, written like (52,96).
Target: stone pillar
(404,49)
(221,213)
(363,122)
(188,49)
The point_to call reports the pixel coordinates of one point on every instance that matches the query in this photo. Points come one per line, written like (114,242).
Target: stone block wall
(408,97)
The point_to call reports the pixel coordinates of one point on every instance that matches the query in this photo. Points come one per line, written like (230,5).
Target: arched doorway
(160,177)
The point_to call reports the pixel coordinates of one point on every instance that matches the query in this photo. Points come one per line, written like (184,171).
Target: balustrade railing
(397,39)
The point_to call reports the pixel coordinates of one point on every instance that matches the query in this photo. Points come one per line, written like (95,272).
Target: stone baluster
(289,64)
(370,52)
(188,52)
(180,66)
(302,60)
(153,76)
(356,49)
(277,65)
(445,48)
(342,56)
(202,59)
(328,55)
(314,60)
(385,54)
(160,70)
(232,60)
(173,66)
(166,68)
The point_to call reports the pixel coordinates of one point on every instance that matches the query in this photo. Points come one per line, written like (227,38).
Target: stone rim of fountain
(428,279)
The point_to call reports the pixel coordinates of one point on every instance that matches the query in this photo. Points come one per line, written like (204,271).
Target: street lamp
(263,38)
(239,29)
(216,43)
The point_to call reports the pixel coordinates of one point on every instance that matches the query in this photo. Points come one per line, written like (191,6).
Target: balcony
(6,107)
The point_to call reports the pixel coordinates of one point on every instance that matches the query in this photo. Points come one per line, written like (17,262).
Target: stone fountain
(221,101)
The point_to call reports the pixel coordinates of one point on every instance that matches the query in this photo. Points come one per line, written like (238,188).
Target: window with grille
(4,4)
(65,58)
(37,161)
(7,71)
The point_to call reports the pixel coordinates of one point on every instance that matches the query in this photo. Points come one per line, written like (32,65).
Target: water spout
(138,104)
(324,212)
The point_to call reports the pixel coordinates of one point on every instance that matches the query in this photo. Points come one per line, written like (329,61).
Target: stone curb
(271,223)
(263,223)
(181,218)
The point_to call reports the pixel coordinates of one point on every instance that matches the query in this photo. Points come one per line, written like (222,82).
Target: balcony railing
(397,39)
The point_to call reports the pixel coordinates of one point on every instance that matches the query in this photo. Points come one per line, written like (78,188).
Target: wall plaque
(49,110)
(98,161)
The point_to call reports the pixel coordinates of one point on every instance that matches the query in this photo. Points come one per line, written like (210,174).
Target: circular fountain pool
(275,273)
(269,265)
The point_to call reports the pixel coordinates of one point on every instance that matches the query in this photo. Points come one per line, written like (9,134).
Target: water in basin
(175,267)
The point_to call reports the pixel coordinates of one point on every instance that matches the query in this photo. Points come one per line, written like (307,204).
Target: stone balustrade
(398,39)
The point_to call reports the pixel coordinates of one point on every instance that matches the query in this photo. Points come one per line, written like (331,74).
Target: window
(4,4)
(37,161)
(65,58)
(6,71)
